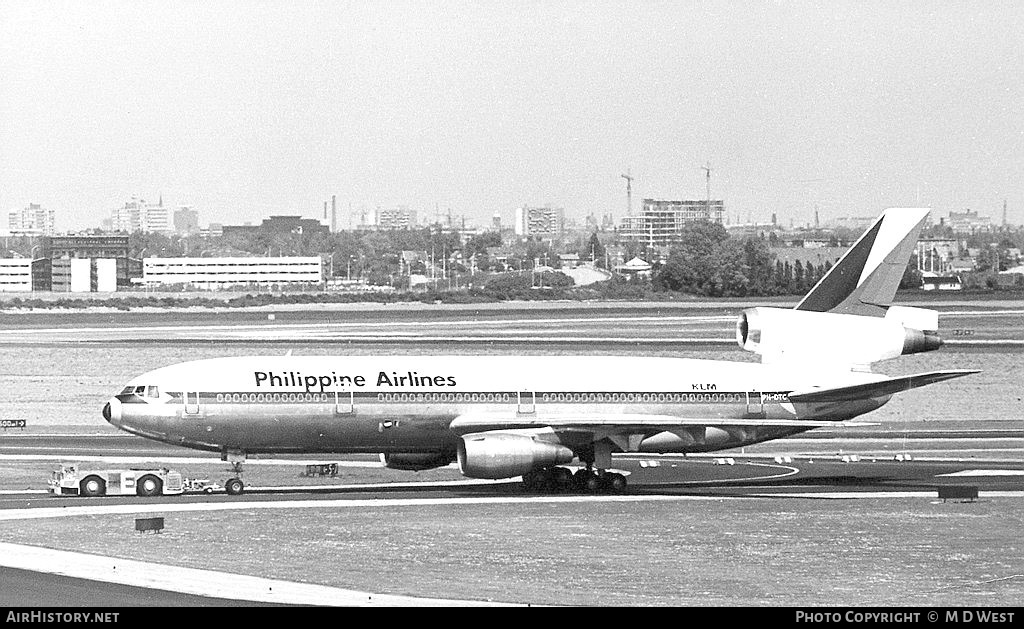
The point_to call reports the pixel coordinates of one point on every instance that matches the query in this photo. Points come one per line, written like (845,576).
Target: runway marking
(164,507)
(183,460)
(847,495)
(980,313)
(202,582)
(196,507)
(985,473)
(790,471)
(363,324)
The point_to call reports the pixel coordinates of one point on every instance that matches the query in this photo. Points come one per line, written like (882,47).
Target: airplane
(502,417)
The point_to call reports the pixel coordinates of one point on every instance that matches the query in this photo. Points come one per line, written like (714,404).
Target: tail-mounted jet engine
(507,454)
(777,334)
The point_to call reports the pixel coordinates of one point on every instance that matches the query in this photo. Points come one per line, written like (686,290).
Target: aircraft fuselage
(408,404)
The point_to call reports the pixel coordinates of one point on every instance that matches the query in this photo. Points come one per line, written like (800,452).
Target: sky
(246,109)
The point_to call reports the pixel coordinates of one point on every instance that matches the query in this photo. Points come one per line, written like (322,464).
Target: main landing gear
(583,480)
(594,478)
(234,486)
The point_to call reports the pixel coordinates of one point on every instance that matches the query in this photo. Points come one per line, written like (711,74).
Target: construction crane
(629,192)
(707,171)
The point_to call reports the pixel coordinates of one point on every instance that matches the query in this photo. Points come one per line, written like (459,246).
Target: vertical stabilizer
(865,279)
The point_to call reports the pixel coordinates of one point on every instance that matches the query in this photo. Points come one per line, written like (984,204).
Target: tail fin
(865,279)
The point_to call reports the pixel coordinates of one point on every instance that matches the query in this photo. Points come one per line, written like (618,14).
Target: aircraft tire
(545,479)
(149,486)
(234,486)
(593,484)
(616,483)
(92,486)
(529,481)
(561,478)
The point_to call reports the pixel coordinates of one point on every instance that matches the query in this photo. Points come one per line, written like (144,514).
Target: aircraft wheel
(530,481)
(234,486)
(92,486)
(580,479)
(616,483)
(561,478)
(149,486)
(545,479)
(593,484)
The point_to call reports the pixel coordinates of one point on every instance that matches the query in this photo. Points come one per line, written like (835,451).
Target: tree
(704,263)
(593,250)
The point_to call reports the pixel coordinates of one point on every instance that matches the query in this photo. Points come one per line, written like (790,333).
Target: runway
(666,325)
(778,523)
(660,484)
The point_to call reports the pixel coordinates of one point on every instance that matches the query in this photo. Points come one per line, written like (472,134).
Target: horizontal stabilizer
(877,389)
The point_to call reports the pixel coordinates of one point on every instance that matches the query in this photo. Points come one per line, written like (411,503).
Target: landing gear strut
(234,486)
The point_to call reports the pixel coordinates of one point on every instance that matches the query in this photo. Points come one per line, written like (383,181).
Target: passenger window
(153,392)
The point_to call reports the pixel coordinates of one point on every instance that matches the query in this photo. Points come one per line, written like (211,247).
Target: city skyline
(242,110)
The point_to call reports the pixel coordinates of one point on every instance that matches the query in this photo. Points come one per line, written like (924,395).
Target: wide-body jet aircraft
(508,416)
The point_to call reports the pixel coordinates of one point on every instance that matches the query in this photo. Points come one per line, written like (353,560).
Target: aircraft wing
(876,389)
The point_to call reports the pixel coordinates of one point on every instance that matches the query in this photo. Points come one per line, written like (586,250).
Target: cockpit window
(140,390)
(127,390)
(153,392)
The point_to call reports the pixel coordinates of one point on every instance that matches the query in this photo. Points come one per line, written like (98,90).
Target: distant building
(932,281)
(401,218)
(968,222)
(221,273)
(138,216)
(278,225)
(614,255)
(15,275)
(817,243)
(186,221)
(961,265)
(854,223)
(545,222)
(34,220)
(568,260)
(662,223)
(83,275)
(63,274)
(634,268)
(935,254)
(214,230)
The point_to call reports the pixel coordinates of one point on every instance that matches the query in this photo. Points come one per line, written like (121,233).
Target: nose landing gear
(234,486)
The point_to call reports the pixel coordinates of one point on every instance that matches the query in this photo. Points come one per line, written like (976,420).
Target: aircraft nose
(112,411)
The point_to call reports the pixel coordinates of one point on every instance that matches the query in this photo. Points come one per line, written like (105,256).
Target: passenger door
(755,405)
(344,403)
(191,402)
(527,403)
